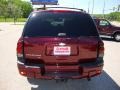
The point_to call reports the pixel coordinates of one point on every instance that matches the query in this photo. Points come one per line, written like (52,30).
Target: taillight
(20,50)
(101,49)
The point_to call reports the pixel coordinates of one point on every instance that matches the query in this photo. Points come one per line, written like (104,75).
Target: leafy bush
(114,16)
(15,8)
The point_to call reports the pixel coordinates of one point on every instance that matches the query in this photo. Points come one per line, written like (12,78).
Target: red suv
(107,29)
(60,44)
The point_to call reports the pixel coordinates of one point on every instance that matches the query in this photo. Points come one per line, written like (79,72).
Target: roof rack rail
(65,8)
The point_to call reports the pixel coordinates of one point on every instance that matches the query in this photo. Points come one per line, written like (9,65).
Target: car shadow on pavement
(108,39)
(102,82)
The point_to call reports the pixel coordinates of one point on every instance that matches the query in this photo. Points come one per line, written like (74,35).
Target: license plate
(62,50)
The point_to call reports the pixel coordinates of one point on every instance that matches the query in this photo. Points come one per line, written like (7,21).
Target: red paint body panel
(82,49)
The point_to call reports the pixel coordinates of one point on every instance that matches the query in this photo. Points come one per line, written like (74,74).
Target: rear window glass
(70,24)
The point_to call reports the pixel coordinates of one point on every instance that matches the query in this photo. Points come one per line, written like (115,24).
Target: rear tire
(117,37)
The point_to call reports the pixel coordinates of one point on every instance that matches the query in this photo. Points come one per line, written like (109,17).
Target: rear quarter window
(73,24)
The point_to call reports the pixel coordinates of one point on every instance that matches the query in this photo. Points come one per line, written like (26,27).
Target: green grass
(12,20)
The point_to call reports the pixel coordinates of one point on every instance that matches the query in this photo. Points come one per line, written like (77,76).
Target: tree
(3,9)
(26,8)
(2,6)
(114,16)
(14,11)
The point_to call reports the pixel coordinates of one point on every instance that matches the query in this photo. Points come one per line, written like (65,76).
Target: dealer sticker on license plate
(62,50)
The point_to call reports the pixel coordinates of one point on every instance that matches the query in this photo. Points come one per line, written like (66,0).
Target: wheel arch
(115,33)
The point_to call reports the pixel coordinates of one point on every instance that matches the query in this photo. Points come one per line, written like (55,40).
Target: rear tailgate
(60,50)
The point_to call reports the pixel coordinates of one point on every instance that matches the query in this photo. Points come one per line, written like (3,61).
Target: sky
(84,4)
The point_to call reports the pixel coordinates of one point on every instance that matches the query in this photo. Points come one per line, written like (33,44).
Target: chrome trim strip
(31,66)
(20,62)
(27,65)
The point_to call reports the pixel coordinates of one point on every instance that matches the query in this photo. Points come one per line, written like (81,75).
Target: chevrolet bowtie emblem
(62,44)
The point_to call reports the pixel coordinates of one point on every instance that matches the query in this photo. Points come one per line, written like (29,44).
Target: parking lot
(11,80)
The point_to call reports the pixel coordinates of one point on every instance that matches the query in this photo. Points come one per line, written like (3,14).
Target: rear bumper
(83,70)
